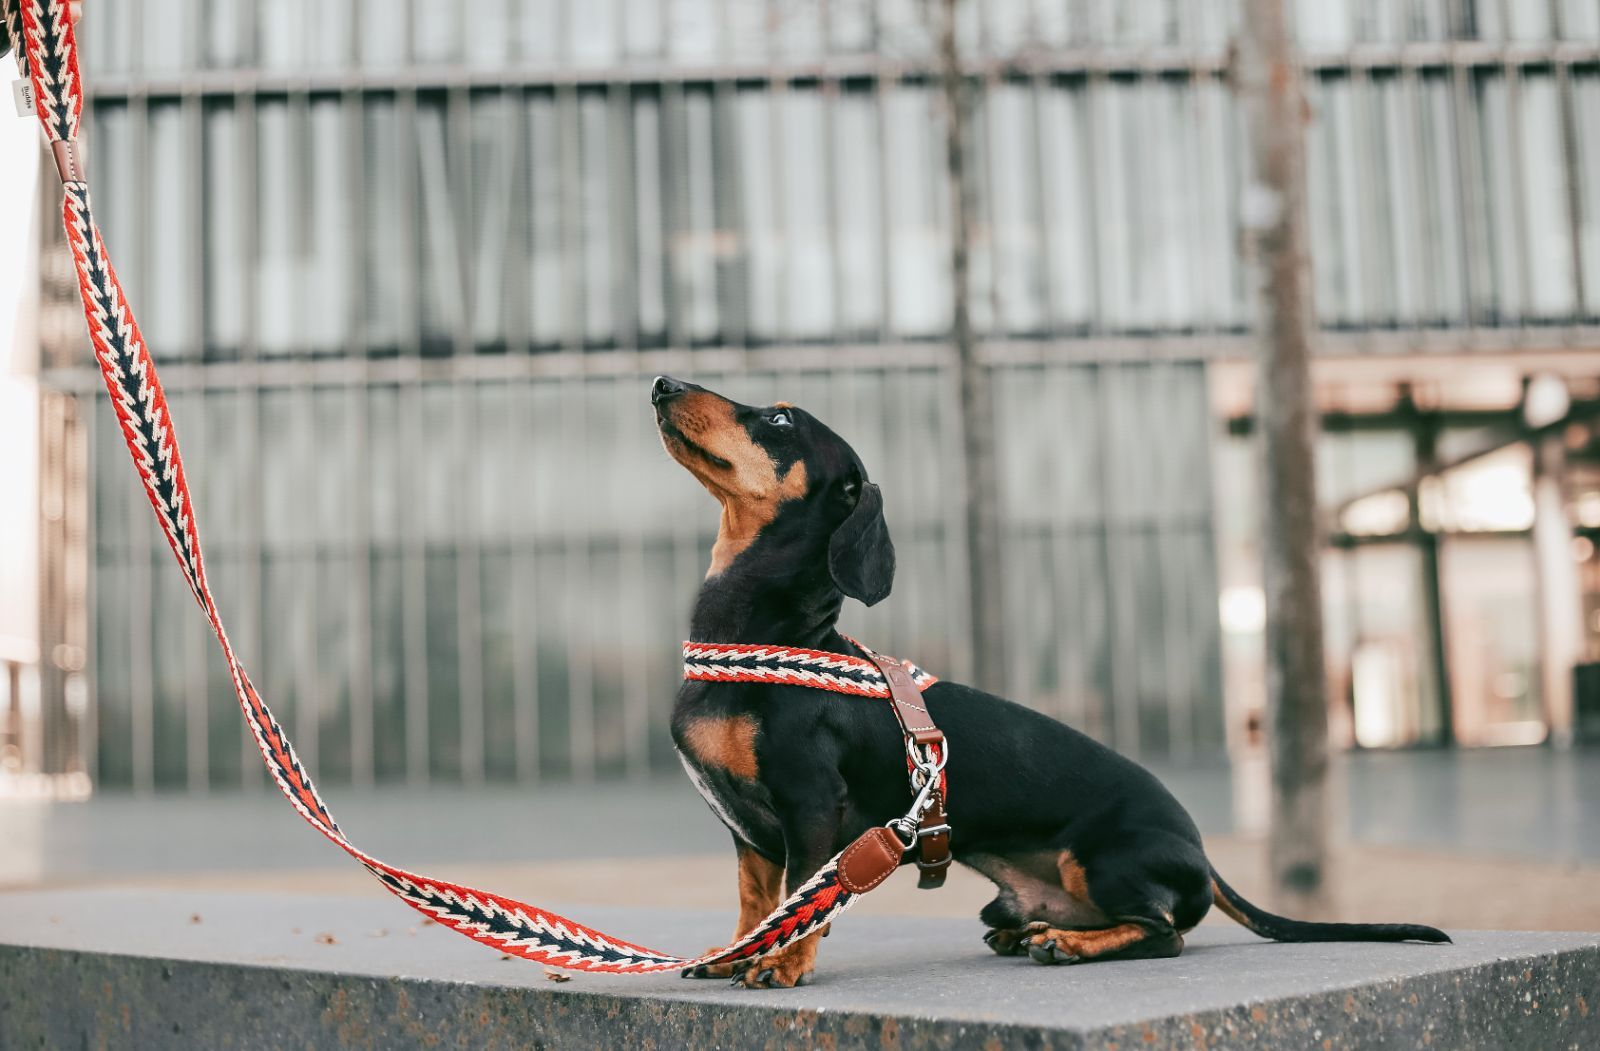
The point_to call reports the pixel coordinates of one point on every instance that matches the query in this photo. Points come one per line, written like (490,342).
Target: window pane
(858,189)
(226,218)
(918,241)
(166,309)
(325,292)
(388,316)
(277,229)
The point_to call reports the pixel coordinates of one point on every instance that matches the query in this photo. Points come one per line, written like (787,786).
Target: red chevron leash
(47,52)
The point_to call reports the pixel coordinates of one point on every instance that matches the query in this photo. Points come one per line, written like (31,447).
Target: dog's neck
(770,596)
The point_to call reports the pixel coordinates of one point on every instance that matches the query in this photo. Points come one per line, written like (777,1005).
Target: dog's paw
(771,973)
(1010,941)
(1047,945)
(715,970)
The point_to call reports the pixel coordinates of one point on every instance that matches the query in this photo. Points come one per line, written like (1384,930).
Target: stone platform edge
(73,998)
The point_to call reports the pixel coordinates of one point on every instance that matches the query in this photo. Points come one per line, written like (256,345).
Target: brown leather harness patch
(870,860)
(727,743)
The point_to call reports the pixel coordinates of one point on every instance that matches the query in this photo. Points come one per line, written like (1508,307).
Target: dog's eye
(780,419)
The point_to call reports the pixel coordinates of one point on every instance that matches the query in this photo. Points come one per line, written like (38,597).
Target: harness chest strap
(876,675)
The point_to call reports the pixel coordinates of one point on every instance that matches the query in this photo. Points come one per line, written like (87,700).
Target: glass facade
(409,267)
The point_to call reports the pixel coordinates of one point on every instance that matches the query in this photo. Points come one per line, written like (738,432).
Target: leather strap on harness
(933,830)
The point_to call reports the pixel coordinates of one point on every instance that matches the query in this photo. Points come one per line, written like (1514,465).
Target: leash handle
(44,32)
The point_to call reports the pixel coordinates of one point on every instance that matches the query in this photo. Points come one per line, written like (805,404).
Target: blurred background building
(409,267)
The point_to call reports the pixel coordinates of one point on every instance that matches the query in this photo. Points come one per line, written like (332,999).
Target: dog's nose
(663,388)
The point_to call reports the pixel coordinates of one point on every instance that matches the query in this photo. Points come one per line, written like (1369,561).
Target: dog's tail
(1281,929)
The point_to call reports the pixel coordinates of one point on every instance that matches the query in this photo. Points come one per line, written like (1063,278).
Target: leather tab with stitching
(870,860)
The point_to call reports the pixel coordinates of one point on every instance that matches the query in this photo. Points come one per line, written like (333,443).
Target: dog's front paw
(772,973)
(715,970)
(786,968)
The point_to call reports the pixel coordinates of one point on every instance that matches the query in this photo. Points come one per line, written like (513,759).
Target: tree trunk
(1269,82)
(977,407)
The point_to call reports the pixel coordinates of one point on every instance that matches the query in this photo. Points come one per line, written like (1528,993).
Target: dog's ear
(860,553)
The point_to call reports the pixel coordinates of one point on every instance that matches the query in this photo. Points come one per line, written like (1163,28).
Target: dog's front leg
(760,891)
(809,838)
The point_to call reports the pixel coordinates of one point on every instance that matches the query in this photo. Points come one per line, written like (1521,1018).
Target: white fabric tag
(22,94)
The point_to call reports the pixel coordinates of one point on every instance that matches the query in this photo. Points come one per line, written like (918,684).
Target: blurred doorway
(1490,603)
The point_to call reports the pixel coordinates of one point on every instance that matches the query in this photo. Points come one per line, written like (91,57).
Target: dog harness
(48,57)
(876,675)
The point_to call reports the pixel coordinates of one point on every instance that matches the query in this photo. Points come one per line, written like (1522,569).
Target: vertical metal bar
(580,656)
(728,212)
(144,552)
(303,571)
(880,93)
(1372,282)
(199,773)
(1571,169)
(575,547)
(1044,208)
(1472,198)
(1095,85)
(249,396)
(568,120)
(625,297)
(469,567)
(1517,147)
(414,595)
(828,98)
(1124,701)
(516,141)
(89,728)
(469,599)
(636,680)
(303,565)
(1424,277)
(522,432)
(1166,393)
(196,747)
(525,608)
(363,732)
(674,140)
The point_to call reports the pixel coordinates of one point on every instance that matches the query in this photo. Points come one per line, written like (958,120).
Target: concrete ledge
(127,969)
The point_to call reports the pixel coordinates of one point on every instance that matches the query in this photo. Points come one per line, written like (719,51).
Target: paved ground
(300,971)
(1504,839)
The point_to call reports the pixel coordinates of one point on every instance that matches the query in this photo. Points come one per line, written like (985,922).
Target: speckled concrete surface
(92,968)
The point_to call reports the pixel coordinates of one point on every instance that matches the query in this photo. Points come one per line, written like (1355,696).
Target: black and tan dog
(1093,858)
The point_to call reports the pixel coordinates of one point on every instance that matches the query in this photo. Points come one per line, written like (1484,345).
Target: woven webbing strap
(44,28)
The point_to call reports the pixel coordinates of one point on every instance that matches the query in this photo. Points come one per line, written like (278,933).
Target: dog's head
(789,487)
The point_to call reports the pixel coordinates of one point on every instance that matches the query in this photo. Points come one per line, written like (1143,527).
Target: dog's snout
(663,388)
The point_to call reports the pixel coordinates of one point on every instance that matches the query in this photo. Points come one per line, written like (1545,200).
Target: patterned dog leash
(47,52)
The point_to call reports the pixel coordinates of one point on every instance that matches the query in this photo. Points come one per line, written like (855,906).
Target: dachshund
(1092,857)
